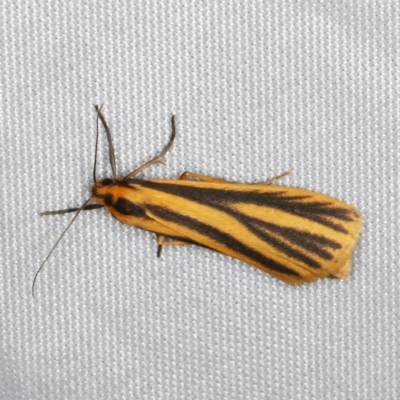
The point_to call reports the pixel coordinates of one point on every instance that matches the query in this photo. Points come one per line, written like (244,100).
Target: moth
(293,234)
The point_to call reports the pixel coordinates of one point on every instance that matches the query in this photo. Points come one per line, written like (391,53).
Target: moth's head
(100,188)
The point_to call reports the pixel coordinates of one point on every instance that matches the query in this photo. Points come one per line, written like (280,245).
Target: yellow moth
(294,234)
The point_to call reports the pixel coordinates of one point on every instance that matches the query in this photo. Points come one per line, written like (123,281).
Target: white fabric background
(258,87)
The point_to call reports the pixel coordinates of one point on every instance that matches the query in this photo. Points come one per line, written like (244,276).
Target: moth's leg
(69,210)
(157,159)
(203,178)
(274,179)
(161,243)
(206,178)
(110,144)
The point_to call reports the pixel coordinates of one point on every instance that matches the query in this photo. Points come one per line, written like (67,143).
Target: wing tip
(344,271)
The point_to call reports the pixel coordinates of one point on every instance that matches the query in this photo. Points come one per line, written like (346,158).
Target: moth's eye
(107,182)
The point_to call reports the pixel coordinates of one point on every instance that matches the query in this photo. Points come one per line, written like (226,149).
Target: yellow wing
(293,234)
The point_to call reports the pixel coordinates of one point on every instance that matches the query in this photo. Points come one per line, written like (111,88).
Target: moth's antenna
(97,141)
(110,145)
(58,241)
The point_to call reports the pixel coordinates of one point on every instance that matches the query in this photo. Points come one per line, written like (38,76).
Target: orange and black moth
(294,234)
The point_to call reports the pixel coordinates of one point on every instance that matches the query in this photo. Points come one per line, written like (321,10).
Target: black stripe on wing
(290,241)
(220,237)
(321,212)
(311,242)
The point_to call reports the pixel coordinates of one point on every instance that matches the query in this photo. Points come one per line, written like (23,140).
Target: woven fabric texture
(258,88)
